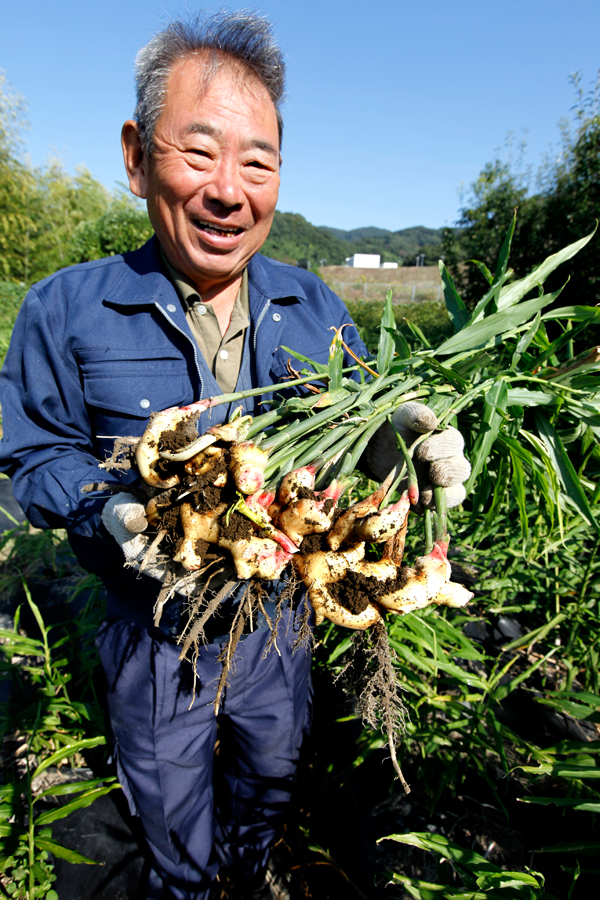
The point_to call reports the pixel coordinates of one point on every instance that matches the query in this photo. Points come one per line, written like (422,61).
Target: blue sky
(391,108)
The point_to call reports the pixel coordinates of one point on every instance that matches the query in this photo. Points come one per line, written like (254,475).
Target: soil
(201,547)
(163,468)
(312,543)
(184,433)
(206,498)
(351,593)
(170,522)
(355,591)
(235,527)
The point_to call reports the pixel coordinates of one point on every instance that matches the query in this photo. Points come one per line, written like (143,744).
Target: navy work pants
(166,751)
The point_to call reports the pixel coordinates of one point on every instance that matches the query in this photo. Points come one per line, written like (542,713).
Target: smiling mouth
(216,229)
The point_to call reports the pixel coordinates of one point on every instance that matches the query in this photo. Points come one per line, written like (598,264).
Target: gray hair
(240,37)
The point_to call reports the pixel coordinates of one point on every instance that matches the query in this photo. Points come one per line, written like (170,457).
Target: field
(407,283)
(502,731)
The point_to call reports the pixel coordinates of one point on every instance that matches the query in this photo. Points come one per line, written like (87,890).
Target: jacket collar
(271,278)
(142,278)
(144,281)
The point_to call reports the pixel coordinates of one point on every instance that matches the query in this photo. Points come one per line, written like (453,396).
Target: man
(96,349)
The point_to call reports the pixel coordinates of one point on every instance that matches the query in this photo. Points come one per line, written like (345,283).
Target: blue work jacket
(98,347)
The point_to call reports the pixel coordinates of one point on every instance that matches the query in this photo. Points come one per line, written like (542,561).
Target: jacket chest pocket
(132,383)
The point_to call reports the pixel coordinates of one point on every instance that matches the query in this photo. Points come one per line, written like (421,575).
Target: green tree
(63,202)
(17,225)
(563,209)
(50,218)
(123,226)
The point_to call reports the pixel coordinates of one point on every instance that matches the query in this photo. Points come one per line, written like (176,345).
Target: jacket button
(223,354)
(276,317)
(144,404)
(172,308)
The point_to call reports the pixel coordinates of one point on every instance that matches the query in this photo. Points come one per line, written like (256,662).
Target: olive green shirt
(222,353)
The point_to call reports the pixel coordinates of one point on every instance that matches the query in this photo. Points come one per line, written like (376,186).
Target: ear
(136,160)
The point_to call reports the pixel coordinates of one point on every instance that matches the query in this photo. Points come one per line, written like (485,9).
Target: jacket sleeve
(47,444)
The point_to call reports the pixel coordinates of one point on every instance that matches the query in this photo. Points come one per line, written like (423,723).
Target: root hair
(369,678)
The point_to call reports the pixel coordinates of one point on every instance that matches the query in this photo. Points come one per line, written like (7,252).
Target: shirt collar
(189,295)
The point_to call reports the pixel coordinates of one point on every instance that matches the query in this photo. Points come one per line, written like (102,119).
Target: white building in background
(389,265)
(364,260)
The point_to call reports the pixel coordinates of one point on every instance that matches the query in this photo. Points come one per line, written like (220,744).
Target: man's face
(213,179)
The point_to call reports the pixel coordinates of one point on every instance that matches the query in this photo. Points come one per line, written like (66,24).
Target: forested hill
(294,240)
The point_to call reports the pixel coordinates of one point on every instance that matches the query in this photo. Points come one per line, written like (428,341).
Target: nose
(225,189)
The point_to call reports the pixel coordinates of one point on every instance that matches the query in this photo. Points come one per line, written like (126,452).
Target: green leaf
(576,313)
(519,491)
(538,634)
(493,329)
(563,770)
(589,848)
(59,790)
(36,612)
(489,300)
(319,368)
(437,843)
(503,690)
(63,852)
(514,292)
(506,880)
(483,269)
(495,403)
(567,475)
(387,330)
(526,397)
(8,791)
(69,750)
(525,340)
(86,799)
(417,332)
(576,710)
(330,398)
(582,696)
(565,802)
(402,348)
(19,645)
(452,377)
(455,306)
(565,338)
(505,251)
(336,361)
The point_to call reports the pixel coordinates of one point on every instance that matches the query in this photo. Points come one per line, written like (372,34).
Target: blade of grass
(493,329)
(456,308)
(518,289)
(387,330)
(564,468)
(495,402)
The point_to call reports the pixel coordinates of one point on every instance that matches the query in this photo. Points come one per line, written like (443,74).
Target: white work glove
(443,451)
(125,519)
